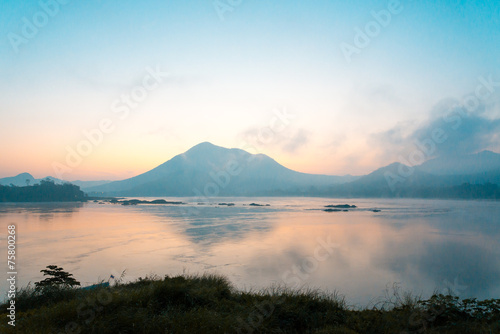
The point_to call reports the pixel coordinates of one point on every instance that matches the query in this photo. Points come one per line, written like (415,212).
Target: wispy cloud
(461,131)
(299,139)
(289,140)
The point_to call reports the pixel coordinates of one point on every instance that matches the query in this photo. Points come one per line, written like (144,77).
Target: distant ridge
(25,179)
(466,179)
(207,170)
(485,161)
(19,180)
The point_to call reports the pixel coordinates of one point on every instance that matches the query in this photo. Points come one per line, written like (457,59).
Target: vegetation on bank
(466,191)
(45,191)
(209,304)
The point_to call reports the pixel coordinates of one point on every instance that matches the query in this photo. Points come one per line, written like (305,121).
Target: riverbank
(209,304)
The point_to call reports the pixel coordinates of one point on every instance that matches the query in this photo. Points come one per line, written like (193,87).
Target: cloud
(450,130)
(288,140)
(299,139)
(463,133)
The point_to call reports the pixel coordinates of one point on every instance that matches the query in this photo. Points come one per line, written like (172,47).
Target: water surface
(422,245)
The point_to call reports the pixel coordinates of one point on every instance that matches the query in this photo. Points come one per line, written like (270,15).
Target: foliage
(59,277)
(45,191)
(209,304)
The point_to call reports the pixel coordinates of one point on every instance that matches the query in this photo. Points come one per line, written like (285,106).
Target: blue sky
(227,77)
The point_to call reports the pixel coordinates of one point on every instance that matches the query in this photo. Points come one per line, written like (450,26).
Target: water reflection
(424,245)
(40,211)
(473,265)
(210,224)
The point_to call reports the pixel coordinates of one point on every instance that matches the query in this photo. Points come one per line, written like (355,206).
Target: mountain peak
(204,147)
(212,170)
(18,180)
(207,150)
(26,175)
(487,153)
(205,144)
(390,168)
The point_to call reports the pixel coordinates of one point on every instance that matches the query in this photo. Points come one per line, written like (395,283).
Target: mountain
(478,168)
(389,181)
(437,178)
(210,170)
(21,181)
(482,162)
(84,185)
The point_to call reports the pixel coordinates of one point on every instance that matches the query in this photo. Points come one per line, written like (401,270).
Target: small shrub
(59,278)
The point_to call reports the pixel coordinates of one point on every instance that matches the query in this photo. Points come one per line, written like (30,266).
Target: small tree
(59,278)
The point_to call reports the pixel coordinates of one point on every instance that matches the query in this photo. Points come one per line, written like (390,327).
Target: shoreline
(210,304)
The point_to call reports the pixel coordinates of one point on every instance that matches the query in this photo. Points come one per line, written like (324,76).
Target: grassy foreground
(209,304)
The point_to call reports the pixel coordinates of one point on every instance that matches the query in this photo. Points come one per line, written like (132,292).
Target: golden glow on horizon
(129,158)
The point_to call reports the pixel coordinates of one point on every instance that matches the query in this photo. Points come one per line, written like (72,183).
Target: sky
(110,89)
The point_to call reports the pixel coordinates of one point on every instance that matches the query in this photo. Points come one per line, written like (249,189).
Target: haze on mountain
(25,179)
(209,170)
(461,176)
(485,161)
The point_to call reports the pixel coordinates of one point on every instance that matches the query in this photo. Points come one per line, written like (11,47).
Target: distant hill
(207,169)
(389,181)
(399,176)
(478,163)
(21,180)
(465,179)
(84,185)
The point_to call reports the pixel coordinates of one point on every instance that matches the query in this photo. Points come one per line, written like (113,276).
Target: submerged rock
(332,210)
(156,201)
(341,206)
(162,201)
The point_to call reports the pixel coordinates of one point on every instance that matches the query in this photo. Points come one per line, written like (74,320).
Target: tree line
(45,191)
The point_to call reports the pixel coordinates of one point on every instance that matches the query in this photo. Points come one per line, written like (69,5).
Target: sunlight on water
(421,245)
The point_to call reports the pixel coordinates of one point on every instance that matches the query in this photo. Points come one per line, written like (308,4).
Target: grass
(209,304)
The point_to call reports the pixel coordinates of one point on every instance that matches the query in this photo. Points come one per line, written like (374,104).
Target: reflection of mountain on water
(210,224)
(421,244)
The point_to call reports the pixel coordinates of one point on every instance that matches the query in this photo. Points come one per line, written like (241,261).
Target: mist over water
(422,245)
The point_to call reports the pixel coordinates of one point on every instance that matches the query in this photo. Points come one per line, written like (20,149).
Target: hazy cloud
(287,140)
(451,129)
(299,139)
